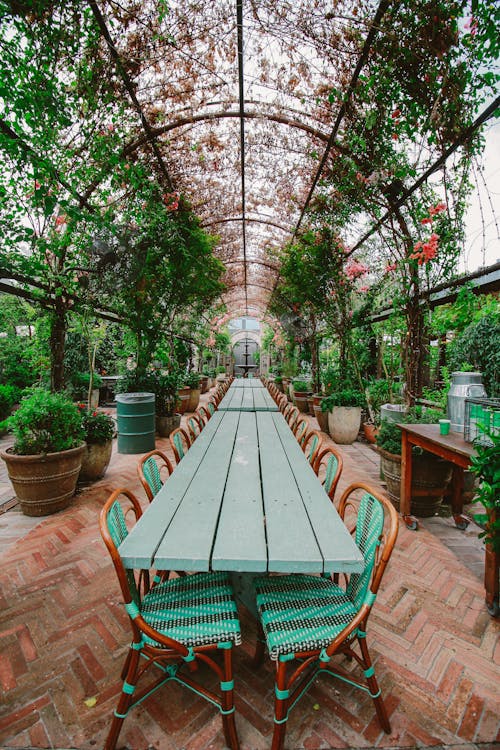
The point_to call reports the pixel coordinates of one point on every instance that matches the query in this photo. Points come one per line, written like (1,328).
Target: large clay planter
(204,383)
(95,461)
(165,425)
(194,399)
(430,478)
(184,394)
(370,432)
(344,423)
(44,483)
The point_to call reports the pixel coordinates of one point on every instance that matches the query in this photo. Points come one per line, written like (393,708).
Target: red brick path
(63,637)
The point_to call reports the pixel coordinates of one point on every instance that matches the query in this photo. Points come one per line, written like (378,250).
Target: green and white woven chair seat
(195,610)
(301,612)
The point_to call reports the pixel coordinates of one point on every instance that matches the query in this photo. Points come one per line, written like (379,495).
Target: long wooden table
(247,399)
(247,383)
(243,499)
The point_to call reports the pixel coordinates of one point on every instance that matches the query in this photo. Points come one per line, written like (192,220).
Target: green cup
(444,426)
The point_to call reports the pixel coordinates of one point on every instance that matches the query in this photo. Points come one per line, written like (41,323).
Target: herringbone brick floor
(64,635)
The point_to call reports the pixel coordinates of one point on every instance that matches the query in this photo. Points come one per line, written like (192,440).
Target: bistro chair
(328,467)
(211,407)
(291,415)
(203,413)
(311,443)
(150,470)
(175,624)
(299,429)
(180,442)
(312,619)
(195,427)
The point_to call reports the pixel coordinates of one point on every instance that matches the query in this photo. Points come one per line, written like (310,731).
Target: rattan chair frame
(195,426)
(170,655)
(203,413)
(312,438)
(179,431)
(323,454)
(293,681)
(153,456)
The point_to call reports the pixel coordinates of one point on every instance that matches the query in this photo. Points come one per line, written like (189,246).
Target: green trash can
(135,414)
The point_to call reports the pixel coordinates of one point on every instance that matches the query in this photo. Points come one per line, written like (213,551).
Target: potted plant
(99,430)
(166,389)
(221,373)
(486,467)
(80,382)
(44,462)
(300,393)
(344,414)
(192,379)
(377,392)
(430,474)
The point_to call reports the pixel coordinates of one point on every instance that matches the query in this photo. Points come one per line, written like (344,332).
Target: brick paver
(63,636)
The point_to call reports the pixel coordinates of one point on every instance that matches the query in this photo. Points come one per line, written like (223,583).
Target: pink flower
(396,113)
(437,209)
(363,288)
(354,269)
(391,267)
(426,220)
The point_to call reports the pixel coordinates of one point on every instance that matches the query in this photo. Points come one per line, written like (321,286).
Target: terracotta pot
(95,461)
(194,399)
(370,432)
(430,478)
(44,483)
(165,425)
(184,394)
(204,383)
(321,418)
(344,423)
(310,404)
(301,402)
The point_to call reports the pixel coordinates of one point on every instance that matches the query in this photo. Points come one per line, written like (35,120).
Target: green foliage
(300,386)
(192,379)
(98,428)
(389,434)
(8,397)
(343,397)
(486,467)
(220,370)
(377,392)
(479,345)
(80,383)
(45,423)
(133,381)
(166,387)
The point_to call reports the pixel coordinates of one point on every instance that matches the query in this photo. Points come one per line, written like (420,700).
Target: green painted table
(248,399)
(247,383)
(243,499)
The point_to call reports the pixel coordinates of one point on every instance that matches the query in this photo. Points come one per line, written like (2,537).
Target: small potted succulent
(99,430)
(45,460)
(344,414)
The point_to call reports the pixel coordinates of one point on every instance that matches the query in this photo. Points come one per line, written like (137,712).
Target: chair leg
(280,708)
(260,648)
(374,688)
(125,699)
(227,701)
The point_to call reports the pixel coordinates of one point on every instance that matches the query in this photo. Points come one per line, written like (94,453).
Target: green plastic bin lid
(135,398)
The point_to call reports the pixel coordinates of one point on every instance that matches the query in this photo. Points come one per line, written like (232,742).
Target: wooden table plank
(187,543)
(292,546)
(241,539)
(137,550)
(322,514)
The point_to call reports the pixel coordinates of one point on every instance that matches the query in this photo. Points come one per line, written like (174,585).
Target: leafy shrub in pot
(46,457)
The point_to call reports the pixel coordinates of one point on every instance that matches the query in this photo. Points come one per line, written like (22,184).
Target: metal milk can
(463,385)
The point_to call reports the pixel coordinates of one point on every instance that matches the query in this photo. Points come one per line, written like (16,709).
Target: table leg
(457,484)
(406,472)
